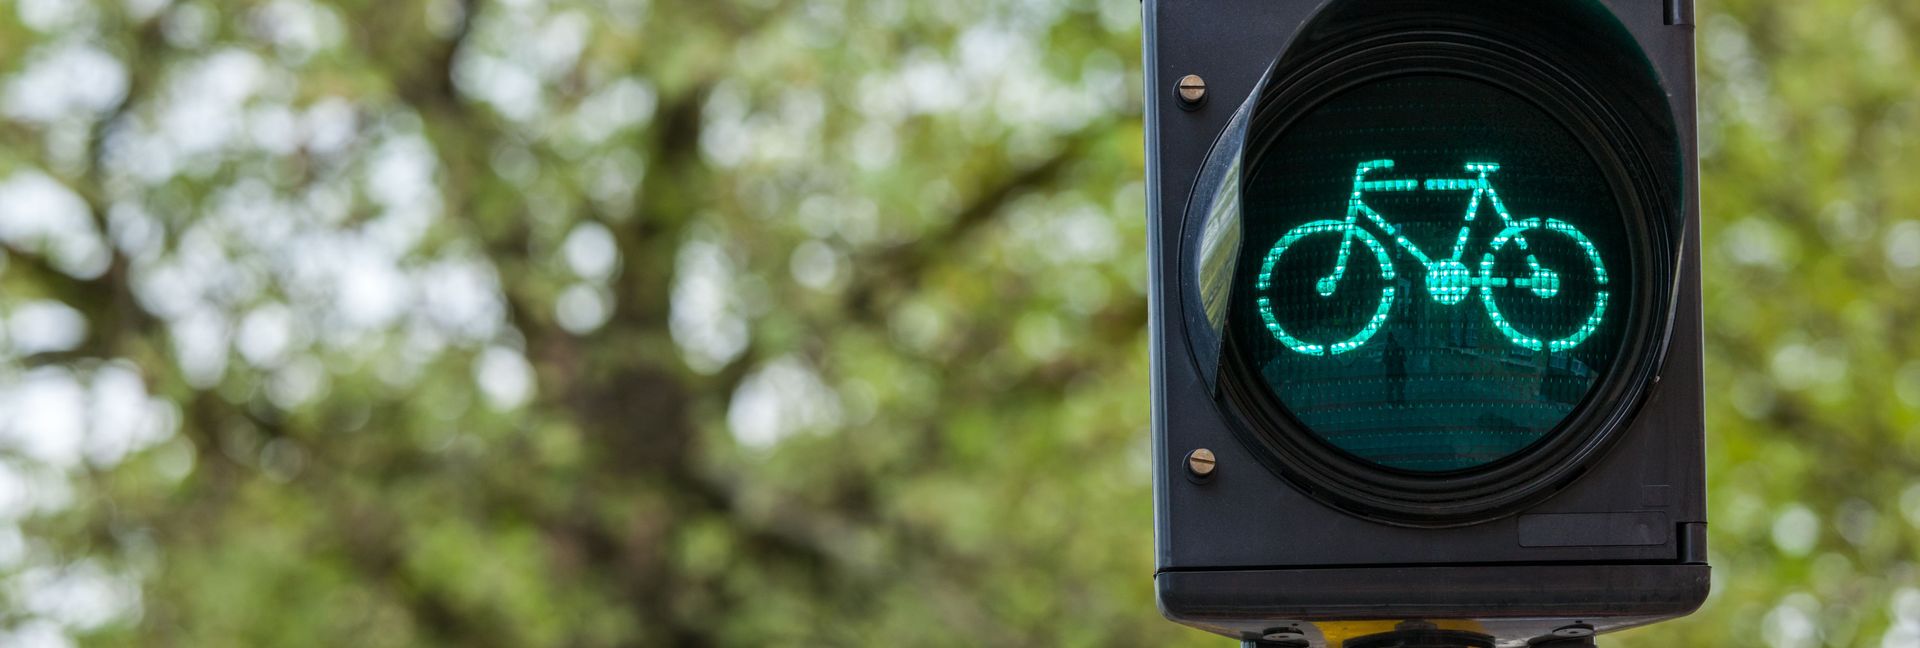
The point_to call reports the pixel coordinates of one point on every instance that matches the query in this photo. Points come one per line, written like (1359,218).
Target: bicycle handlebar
(1362,185)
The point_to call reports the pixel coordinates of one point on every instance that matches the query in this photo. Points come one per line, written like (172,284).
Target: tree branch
(906,263)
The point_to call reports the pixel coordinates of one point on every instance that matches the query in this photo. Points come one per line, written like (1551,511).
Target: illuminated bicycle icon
(1449,280)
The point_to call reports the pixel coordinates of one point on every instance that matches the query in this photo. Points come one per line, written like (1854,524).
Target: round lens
(1434,273)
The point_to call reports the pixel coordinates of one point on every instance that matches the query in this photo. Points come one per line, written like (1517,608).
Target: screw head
(1283,635)
(1579,630)
(1191,89)
(1201,463)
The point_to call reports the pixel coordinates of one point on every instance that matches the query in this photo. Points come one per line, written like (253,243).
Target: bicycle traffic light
(1426,320)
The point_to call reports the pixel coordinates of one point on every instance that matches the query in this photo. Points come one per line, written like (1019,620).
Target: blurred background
(770,322)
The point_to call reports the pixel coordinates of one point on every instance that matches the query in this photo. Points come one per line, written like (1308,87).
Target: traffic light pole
(1421,634)
(1553,643)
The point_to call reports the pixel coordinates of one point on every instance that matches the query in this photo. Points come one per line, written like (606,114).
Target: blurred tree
(1807,116)
(576,323)
(616,322)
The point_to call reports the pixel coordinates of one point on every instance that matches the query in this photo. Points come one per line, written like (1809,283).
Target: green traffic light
(1427,273)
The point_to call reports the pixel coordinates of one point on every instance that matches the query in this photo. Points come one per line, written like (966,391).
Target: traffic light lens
(1435,272)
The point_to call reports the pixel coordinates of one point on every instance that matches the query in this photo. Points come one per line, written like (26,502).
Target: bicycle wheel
(1543,282)
(1331,234)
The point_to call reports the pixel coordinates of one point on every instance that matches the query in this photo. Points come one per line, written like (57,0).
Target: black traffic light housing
(1601,526)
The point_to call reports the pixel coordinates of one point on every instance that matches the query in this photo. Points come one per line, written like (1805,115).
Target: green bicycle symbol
(1449,280)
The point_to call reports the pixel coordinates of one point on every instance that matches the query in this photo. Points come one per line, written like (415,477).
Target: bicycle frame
(1356,207)
(1449,280)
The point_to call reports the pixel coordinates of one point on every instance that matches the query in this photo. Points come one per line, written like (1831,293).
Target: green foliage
(1814,254)
(616,322)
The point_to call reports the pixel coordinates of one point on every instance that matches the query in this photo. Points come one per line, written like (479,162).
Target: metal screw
(1283,635)
(1574,631)
(1200,463)
(1192,90)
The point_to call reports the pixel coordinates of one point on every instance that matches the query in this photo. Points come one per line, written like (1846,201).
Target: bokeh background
(770,322)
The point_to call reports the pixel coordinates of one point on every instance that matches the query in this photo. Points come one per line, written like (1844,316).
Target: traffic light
(1426,319)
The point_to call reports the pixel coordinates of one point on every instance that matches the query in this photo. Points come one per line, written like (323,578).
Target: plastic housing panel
(1247,549)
